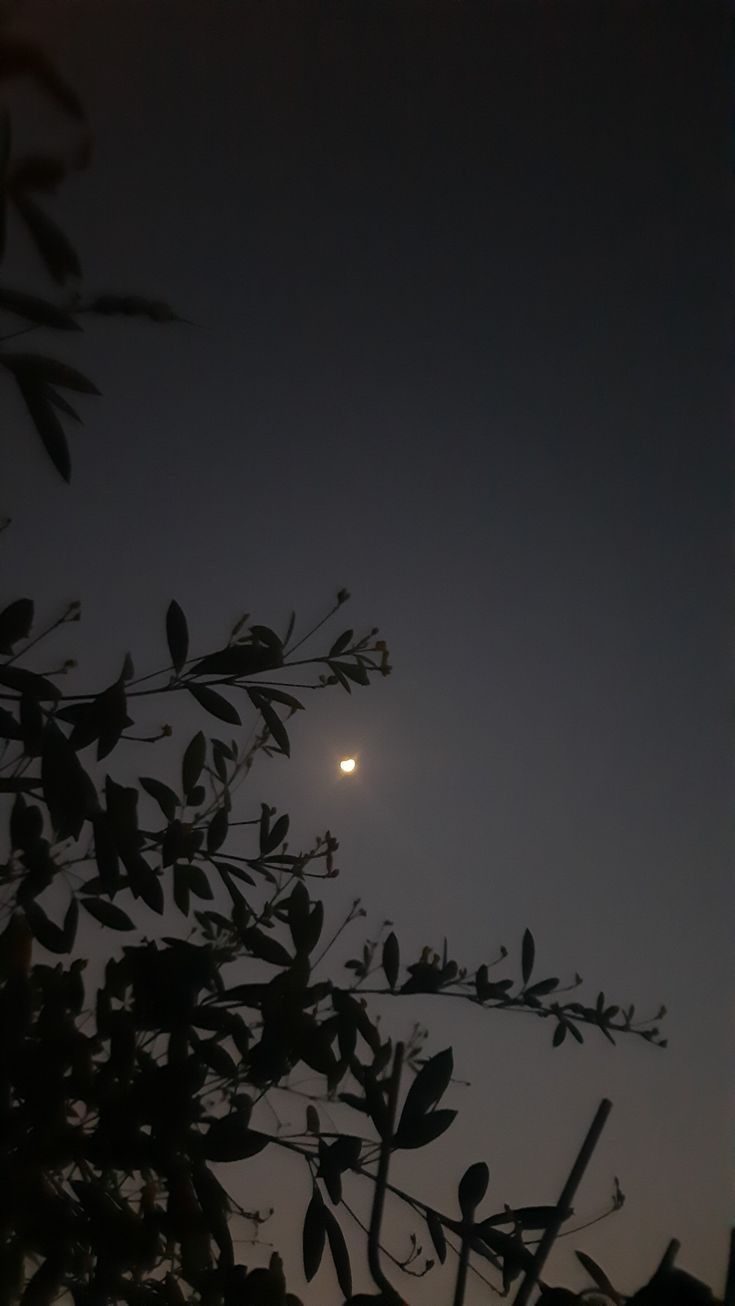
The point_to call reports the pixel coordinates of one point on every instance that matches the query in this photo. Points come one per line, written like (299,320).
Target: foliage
(128,1095)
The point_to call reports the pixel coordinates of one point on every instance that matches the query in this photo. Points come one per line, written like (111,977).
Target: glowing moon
(347,765)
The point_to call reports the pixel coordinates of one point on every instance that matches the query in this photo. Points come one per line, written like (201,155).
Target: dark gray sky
(461,271)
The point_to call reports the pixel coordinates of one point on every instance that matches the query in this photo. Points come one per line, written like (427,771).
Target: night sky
(460,273)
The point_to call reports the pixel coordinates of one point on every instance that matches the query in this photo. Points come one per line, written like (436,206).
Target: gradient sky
(462,276)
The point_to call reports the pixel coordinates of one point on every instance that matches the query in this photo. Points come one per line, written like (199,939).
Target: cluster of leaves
(27,179)
(120,1099)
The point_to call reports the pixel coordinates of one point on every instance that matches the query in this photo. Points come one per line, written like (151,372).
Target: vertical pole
(566,1197)
(381,1181)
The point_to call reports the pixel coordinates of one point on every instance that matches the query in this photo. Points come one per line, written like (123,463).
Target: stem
(464,1259)
(381,1181)
(566,1198)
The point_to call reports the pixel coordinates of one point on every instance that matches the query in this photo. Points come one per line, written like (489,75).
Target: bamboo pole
(566,1197)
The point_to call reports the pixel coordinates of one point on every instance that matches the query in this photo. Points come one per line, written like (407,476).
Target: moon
(347,765)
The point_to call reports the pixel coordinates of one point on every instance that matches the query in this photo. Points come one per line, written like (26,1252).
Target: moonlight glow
(347,765)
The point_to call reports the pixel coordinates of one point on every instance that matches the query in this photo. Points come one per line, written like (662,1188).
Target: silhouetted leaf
(428,1087)
(341,643)
(391,959)
(314,1235)
(32,723)
(181,888)
(537,1217)
(418,1131)
(105,852)
(338,1248)
(67,789)
(528,955)
(27,682)
(217,830)
(215,704)
(54,247)
(472,1188)
(133,306)
(37,310)
(167,800)
(47,424)
(598,1276)
(436,1233)
(560,1033)
(541,988)
(272,720)
(58,401)
(143,881)
(23,58)
(40,368)
(9,727)
(229,1139)
(15,623)
(177,635)
(271,837)
(51,937)
(193,762)
(265,948)
(107,913)
(235,660)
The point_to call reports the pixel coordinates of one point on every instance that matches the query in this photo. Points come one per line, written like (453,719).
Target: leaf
(341,643)
(58,401)
(9,727)
(107,913)
(597,1275)
(197,881)
(560,1033)
(391,959)
(538,1217)
(47,425)
(428,1086)
(37,310)
(272,720)
(472,1188)
(338,1248)
(229,1139)
(312,1119)
(274,835)
(105,852)
(54,247)
(235,660)
(541,988)
(193,762)
(217,830)
(42,368)
(50,936)
(436,1233)
(314,1236)
(265,948)
(23,58)
(528,955)
(280,696)
(181,888)
(15,623)
(27,682)
(418,1131)
(177,635)
(133,306)
(67,789)
(167,800)
(215,704)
